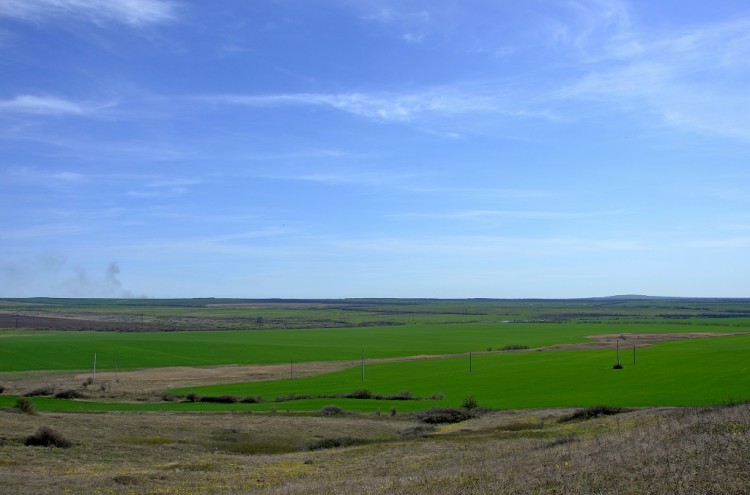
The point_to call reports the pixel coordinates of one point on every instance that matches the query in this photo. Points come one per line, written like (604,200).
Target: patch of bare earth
(609,341)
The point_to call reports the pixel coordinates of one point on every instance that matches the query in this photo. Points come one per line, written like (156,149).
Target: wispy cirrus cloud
(43,105)
(343,177)
(132,12)
(474,27)
(691,79)
(512,215)
(488,245)
(377,105)
(164,188)
(724,243)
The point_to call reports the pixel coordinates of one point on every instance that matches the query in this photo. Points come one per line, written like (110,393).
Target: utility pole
(93,374)
(618,351)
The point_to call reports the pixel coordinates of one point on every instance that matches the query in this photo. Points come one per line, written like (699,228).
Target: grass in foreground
(687,451)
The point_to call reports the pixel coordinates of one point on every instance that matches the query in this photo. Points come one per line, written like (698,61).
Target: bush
(221,399)
(439,415)
(469,402)
(252,400)
(514,347)
(47,437)
(594,412)
(2,389)
(403,395)
(417,431)
(437,396)
(192,397)
(69,394)
(25,405)
(331,443)
(41,391)
(331,411)
(360,394)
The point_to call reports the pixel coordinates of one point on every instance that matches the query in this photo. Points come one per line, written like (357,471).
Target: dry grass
(683,451)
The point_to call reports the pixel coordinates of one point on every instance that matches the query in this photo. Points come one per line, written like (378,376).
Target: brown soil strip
(609,341)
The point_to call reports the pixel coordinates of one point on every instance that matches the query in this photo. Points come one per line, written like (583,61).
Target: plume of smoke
(48,274)
(108,285)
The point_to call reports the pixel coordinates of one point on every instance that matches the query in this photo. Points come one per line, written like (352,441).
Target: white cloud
(380,106)
(512,214)
(467,246)
(42,105)
(726,243)
(133,12)
(693,80)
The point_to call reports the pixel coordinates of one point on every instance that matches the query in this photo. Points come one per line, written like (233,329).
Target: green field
(22,350)
(686,372)
(695,372)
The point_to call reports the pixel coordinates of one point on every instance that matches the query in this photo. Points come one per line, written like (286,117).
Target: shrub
(331,443)
(251,400)
(25,405)
(439,415)
(192,397)
(2,389)
(41,391)
(221,399)
(437,396)
(403,395)
(360,394)
(331,411)
(47,437)
(169,398)
(469,402)
(417,431)
(594,412)
(514,347)
(69,394)
(88,381)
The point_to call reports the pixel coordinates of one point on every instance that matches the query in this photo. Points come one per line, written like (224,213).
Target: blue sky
(374,148)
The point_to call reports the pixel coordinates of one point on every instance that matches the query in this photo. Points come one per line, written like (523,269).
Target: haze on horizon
(374,148)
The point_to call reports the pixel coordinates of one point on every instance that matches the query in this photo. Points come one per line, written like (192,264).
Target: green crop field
(64,350)
(57,336)
(695,372)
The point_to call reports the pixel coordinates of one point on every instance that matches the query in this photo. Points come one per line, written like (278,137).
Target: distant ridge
(634,297)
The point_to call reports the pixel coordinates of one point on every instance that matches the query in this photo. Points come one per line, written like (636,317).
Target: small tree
(25,405)
(469,402)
